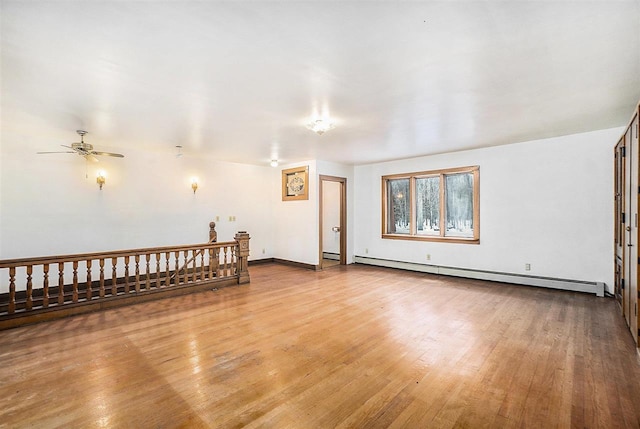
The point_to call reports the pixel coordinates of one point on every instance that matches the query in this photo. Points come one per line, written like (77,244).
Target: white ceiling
(239,80)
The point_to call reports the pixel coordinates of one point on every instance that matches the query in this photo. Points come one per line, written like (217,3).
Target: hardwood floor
(353,346)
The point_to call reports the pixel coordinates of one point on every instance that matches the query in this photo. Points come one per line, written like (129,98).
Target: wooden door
(629,220)
(630,295)
(619,225)
(635,192)
(342,227)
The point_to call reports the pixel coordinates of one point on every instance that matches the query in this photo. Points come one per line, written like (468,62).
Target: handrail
(6,263)
(50,283)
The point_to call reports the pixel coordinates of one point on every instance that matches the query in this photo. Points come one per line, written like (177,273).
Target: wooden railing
(34,289)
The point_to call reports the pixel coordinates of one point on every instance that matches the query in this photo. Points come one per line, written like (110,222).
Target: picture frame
(295,183)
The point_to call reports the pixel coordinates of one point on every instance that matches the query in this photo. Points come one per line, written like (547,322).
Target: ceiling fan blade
(64,145)
(117,155)
(90,157)
(66,151)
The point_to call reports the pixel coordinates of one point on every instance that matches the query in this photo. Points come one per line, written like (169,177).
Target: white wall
(48,207)
(296,222)
(546,202)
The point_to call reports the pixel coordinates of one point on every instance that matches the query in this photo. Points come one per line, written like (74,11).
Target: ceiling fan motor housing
(82,147)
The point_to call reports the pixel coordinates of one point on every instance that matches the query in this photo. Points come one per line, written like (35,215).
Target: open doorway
(333,221)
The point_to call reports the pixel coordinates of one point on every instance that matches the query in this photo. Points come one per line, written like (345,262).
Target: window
(440,205)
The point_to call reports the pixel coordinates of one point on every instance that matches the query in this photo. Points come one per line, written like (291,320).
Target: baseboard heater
(548,282)
(331,256)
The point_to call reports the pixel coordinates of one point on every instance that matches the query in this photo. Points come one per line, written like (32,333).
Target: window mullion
(413,230)
(443,201)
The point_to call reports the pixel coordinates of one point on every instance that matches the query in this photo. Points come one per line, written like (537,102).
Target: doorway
(333,221)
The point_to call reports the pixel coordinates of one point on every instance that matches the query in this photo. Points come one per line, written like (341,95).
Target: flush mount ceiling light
(320,126)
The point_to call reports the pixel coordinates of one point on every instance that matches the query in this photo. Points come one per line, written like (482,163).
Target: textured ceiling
(239,80)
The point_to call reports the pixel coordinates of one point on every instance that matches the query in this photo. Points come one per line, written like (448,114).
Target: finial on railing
(213,235)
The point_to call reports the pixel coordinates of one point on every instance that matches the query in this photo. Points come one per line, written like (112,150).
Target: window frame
(413,231)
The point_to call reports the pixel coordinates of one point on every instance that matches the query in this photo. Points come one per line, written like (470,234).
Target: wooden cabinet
(626,237)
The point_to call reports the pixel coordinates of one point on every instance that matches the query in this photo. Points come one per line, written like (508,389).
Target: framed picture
(295,183)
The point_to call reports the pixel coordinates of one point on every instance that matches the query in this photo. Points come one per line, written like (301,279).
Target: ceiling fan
(85,149)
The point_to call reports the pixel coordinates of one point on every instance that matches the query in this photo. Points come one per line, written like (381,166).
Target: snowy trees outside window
(440,205)
(459,195)
(428,205)
(398,210)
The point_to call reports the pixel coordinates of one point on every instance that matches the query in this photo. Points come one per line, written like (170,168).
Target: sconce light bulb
(274,162)
(101,178)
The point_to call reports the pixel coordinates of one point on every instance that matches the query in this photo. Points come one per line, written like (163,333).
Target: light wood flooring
(352,346)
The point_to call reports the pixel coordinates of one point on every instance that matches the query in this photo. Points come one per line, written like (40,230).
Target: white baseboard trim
(596,288)
(330,255)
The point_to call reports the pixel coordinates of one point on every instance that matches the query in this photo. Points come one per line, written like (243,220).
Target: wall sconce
(274,162)
(101,178)
(194,184)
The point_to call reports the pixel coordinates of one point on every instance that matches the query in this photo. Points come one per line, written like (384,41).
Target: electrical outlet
(428,256)
(366,251)
(263,251)
(217,218)
(527,267)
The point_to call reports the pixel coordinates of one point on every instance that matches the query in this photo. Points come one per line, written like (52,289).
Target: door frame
(343,216)
(620,240)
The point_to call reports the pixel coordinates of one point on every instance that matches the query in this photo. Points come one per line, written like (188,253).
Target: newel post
(242,238)
(213,235)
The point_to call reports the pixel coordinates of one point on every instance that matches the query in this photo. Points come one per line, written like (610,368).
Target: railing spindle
(89,262)
(148,282)
(45,286)
(157,271)
(75,281)
(218,269)
(167,271)
(234,261)
(29,305)
(194,256)
(210,263)
(202,272)
(186,266)
(114,277)
(225,268)
(12,290)
(101,277)
(126,275)
(177,268)
(60,283)
(137,259)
